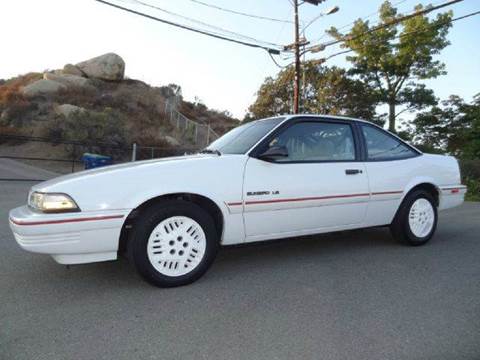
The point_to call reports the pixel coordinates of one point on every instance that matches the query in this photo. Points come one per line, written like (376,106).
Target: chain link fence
(63,157)
(198,134)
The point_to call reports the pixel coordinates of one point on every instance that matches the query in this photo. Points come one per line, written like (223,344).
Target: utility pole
(296,45)
(301,42)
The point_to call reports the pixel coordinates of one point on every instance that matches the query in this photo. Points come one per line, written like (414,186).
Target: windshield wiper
(210,151)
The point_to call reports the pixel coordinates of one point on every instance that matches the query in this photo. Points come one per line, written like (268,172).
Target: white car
(273,178)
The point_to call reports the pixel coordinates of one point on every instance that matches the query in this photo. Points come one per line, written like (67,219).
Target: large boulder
(72,81)
(106,67)
(42,87)
(70,69)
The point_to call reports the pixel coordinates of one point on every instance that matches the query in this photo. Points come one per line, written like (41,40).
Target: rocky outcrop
(109,67)
(67,109)
(68,80)
(105,67)
(96,90)
(42,87)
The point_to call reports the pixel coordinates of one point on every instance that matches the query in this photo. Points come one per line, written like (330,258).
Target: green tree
(453,127)
(326,90)
(391,58)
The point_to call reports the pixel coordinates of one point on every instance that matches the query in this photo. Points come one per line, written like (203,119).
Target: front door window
(317,141)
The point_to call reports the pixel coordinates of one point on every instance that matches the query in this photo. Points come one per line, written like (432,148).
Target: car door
(320,186)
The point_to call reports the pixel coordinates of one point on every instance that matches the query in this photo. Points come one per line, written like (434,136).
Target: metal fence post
(73,158)
(134,151)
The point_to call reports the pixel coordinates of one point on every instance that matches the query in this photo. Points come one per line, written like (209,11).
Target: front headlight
(52,202)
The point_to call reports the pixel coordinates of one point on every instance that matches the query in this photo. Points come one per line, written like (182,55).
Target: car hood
(113,170)
(126,186)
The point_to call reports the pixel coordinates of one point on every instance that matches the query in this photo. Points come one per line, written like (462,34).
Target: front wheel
(174,243)
(416,219)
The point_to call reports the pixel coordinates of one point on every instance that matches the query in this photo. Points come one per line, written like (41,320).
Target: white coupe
(273,178)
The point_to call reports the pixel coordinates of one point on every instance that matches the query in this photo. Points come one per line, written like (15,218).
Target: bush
(14,85)
(473,189)
(14,108)
(470,170)
(86,97)
(17,111)
(99,132)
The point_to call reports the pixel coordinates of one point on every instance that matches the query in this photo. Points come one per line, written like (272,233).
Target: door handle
(353,171)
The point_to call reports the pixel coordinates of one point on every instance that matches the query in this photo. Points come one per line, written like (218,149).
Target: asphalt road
(349,295)
(11,169)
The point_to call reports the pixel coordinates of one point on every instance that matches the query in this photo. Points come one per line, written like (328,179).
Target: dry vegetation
(113,116)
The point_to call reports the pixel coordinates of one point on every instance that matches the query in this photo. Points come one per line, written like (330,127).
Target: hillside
(93,103)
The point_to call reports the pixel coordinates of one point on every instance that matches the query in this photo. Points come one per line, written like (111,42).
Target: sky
(40,35)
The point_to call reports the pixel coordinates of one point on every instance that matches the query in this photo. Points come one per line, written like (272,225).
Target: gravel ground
(348,295)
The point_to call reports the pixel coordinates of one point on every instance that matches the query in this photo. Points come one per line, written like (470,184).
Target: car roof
(322,116)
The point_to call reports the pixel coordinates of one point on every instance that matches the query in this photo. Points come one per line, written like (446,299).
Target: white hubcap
(421,218)
(176,246)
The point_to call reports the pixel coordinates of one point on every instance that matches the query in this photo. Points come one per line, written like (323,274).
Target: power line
(390,23)
(199,31)
(408,33)
(202,23)
(396,37)
(362,18)
(277,39)
(240,12)
(277,64)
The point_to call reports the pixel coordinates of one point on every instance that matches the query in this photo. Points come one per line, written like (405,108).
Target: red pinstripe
(62,221)
(255,202)
(388,192)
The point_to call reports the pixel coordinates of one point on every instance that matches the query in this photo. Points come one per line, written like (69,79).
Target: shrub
(86,97)
(473,189)
(102,132)
(15,109)
(14,85)
(470,169)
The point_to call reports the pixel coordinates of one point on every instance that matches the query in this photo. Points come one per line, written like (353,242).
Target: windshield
(242,138)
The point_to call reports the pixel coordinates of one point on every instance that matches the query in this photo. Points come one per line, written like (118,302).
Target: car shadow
(312,248)
(232,261)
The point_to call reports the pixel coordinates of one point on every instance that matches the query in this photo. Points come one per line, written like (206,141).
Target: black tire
(146,223)
(400,227)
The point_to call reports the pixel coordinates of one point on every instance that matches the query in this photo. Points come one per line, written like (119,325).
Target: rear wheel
(416,219)
(174,243)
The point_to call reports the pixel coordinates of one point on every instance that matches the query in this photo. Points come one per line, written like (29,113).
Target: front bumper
(71,238)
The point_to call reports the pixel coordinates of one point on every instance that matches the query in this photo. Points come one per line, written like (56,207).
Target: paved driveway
(349,295)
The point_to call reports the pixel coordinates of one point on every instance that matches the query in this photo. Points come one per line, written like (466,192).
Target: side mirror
(274,153)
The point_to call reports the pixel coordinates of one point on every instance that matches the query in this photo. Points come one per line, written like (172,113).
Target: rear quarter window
(383,146)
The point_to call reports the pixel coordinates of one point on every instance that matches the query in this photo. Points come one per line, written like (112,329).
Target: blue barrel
(95,160)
